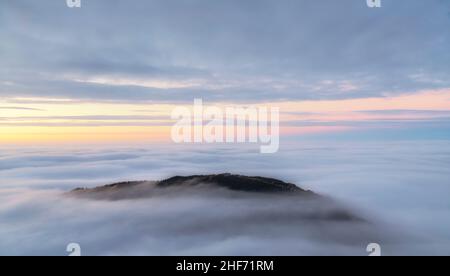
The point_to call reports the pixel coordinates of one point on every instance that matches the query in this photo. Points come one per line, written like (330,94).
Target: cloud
(226,50)
(193,224)
(401,187)
(87,120)
(20,108)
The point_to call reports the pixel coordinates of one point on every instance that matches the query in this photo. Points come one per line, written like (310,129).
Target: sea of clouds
(401,188)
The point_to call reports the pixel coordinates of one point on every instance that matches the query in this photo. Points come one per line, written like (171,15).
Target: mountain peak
(234,182)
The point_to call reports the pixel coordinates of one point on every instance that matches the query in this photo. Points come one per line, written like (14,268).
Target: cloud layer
(402,188)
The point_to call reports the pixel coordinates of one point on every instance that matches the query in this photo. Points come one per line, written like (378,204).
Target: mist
(398,192)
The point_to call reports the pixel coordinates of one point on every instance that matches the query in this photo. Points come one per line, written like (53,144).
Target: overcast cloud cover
(222,50)
(400,187)
(233,51)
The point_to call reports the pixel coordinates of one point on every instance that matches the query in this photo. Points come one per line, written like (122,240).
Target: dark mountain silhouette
(255,189)
(254,184)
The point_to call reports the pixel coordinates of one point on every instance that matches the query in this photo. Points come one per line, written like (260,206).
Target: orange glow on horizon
(36,121)
(95,135)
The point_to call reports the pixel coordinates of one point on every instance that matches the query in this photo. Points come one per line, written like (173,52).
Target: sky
(86,96)
(113,71)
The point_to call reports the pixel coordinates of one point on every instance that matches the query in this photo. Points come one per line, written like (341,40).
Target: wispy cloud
(260,50)
(19,108)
